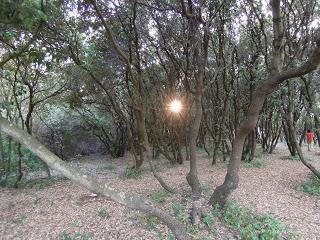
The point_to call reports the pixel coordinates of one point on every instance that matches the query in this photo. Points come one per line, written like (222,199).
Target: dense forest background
(88,77)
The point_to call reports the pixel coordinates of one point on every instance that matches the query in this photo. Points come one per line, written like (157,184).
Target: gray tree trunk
(2,165)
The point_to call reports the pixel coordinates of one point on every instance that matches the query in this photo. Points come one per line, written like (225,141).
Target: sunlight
(175,106)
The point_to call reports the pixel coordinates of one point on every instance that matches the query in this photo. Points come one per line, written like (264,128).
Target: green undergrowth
(312,185)
(249,225)
(38,183)
(160,196)
(294,158)
(254,164)
(103,213)
(131,172)
(74,236)
(242,222)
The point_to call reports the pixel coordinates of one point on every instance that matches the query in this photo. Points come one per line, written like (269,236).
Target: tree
(269,85)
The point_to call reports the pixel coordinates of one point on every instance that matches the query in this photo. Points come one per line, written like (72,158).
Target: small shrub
(20,220)
(178,211)
(74,236)
(254,164)
(10,180)
(249,225)
(160,196)
(208,220)
(75,224)
(102,213)
(36,200)
(149,222)
(132,173)
(312,186)
(171,237)
(192,229)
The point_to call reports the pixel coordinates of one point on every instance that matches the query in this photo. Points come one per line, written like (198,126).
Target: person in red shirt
(309,138)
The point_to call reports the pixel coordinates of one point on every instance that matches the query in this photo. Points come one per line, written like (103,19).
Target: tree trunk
(8,165)
(192,176)
(2,165)
(231,181)
(293,132)
(317,125)
(19,171)
(303,135)
(140,146)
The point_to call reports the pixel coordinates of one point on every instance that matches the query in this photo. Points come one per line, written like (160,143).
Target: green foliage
(74,236)
(75,223)
(312,186)
(102,213)
(291,158)
(208,220)
(254,164)
(20,220)
(250,225)
(38,184)
(171,237)
(21,13)
(29,160)
(192,229)
(294,158)
(149,222)
(8,181)
(132,173)
(36,200)
(160,196)
(179,212)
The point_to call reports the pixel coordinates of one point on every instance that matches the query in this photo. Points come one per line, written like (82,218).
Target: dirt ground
(64,209)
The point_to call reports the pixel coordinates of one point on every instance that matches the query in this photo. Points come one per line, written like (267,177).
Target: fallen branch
(89,182)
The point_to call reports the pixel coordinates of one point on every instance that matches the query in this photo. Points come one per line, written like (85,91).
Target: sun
(175,106)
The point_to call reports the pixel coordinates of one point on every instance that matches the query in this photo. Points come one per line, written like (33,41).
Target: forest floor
(60,209)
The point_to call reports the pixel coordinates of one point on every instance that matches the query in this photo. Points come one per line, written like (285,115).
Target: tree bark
(2,165)
(19,170)
(149,153)
(192,176)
